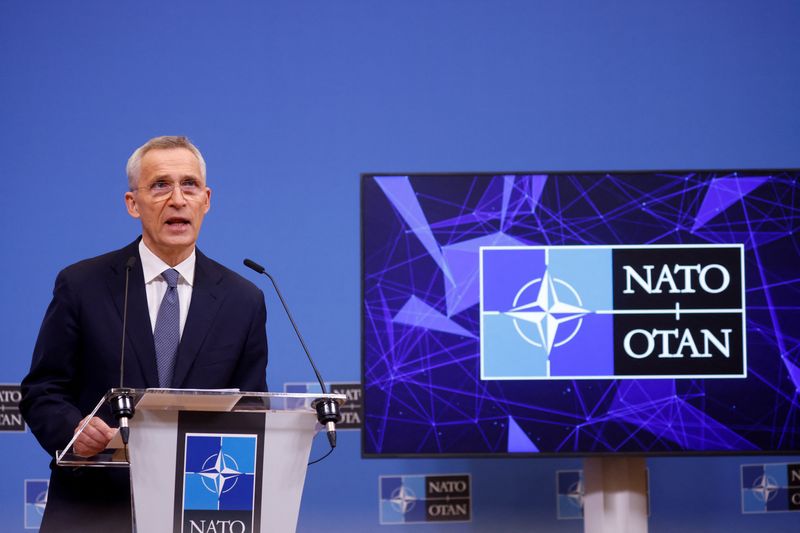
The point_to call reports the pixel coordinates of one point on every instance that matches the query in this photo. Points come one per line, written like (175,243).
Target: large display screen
(581,313)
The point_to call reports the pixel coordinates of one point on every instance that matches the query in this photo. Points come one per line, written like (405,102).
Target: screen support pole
(615,495)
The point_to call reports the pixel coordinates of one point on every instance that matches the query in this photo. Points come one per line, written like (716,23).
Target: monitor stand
(615,495)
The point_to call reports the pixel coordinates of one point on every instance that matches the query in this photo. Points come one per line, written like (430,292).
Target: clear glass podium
(197,457)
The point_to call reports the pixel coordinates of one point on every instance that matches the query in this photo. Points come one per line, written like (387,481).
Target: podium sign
(213,461)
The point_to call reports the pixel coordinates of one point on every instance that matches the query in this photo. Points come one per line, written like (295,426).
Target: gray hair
(166,142)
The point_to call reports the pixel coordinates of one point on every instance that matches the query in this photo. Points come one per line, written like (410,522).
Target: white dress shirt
(156,286)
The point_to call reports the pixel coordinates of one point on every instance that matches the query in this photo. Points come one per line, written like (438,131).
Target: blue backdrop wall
(291,100)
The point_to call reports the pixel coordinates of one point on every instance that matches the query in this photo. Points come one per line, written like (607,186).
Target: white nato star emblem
(220,473)
(765,488)
(40,503)
(403,499)
(575,494)
(547,312)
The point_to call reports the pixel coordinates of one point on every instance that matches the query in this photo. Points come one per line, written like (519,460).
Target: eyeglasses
(190,188)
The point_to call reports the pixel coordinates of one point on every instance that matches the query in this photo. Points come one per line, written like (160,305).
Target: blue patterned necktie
(167,334)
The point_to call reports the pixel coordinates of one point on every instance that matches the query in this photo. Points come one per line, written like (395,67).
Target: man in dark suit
(192,323)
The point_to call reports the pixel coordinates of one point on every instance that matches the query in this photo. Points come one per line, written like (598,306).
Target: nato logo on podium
(219,482)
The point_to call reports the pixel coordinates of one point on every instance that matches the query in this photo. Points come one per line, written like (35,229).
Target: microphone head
(249,263)
(130,262)
(331,427)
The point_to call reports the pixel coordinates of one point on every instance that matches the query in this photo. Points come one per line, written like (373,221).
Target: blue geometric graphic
(461,258)
(518,441)
(418,313)
(722,193)
(421,238)
(399,189)
(220,472)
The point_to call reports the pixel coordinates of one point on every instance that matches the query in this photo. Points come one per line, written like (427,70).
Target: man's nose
(177,197)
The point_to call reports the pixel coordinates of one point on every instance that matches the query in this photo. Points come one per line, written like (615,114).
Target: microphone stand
(327,409)
(121,399)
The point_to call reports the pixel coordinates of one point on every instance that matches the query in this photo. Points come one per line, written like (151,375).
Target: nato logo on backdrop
(351,410)
(425,499)
(35,501)
(768,488)
(612,312)
(569,494)
(10,417)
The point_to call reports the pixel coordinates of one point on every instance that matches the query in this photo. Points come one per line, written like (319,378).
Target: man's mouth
(177,222)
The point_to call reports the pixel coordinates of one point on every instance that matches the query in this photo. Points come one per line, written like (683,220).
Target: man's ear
(130,203)
(208,200)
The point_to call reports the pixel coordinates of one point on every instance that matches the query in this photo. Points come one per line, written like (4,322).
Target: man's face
(170,222)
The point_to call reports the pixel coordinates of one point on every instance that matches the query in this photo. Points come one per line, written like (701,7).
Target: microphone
(327,409)
(128,266)
(121,399)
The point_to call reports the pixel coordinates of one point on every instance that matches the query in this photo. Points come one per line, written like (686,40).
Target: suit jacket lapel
(139,334)
(206,300)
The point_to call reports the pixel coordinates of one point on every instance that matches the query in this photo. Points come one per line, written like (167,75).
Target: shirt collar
(153,266)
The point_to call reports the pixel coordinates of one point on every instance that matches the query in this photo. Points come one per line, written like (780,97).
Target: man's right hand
(94,438)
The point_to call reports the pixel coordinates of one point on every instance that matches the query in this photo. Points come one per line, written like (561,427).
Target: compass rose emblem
(40,503)
(547,312)
(220,473)
(403,499)
(765,488)
(575,494)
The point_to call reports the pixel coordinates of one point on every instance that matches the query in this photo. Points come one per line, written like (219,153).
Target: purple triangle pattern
(721,194)
(794,373)
(399,192)
(417,313)
(508,187)
(635,393)
(518,441)
(536,184)
(462,259)
(659,411)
